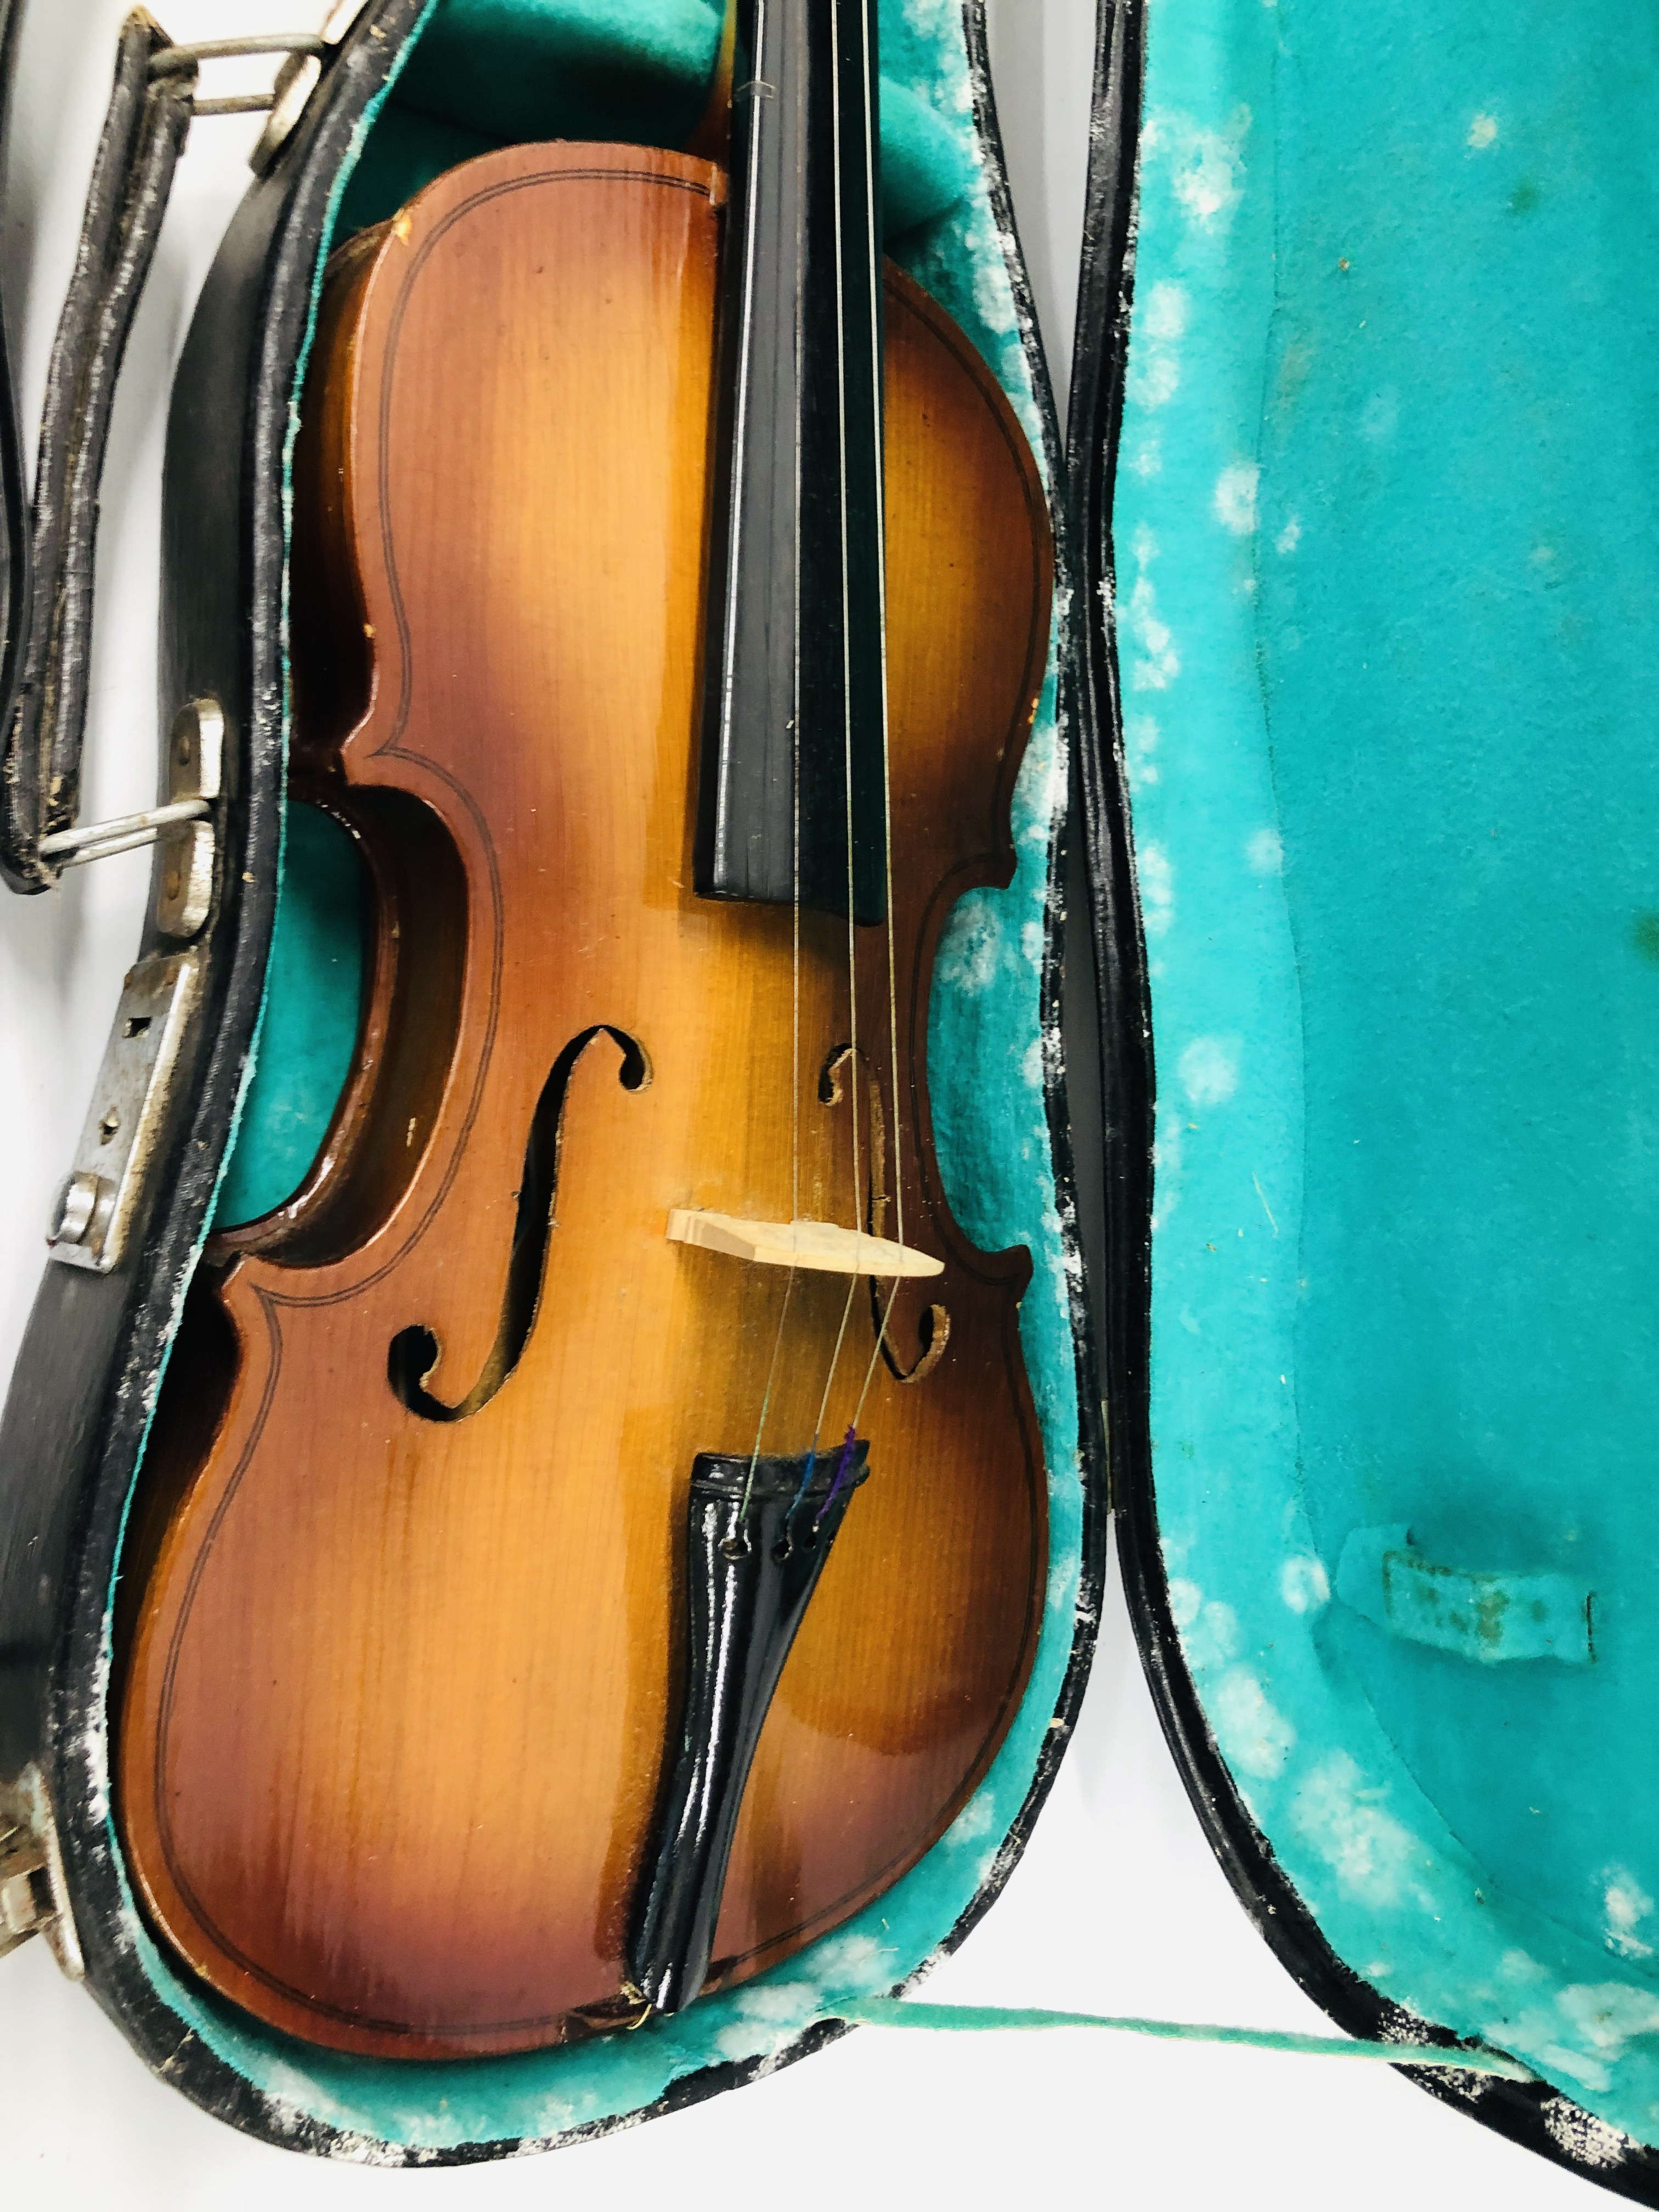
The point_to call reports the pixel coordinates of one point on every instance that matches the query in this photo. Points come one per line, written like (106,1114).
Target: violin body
(403,1645)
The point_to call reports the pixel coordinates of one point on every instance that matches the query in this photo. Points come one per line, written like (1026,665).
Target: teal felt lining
(1387,599)
(497,72)
(989,1063)
(311,1016)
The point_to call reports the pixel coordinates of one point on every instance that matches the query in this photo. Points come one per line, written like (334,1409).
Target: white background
(1117,1906)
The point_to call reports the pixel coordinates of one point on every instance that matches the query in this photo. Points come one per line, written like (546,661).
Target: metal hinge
(97,1199)
(35,1897)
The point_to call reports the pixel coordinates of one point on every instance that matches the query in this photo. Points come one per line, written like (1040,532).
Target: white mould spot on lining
(1208,1070)
(1160,664)
(971,1824)
(1140,737)
(1156,889)
(1483,132)
(1155,356)
(1346,1820)
(1186,1599)
(1625,1904)
(1234,497)
(1265,854)
(1603,2018)
(1206,166)
(1210,1641)
(1062,1585)
(1167,313)
(1304,1585)
(1254,1734)
(971,951)
(1518,1966)
(770,2017)
(1166,1161)
(1290,537)
(858,1961)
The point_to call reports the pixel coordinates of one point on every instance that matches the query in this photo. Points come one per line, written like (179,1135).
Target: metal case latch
(97,1200)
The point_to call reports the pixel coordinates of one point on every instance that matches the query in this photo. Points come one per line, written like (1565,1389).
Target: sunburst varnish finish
(398,1687)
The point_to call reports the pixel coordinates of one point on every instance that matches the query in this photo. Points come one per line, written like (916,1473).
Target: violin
(592,1539)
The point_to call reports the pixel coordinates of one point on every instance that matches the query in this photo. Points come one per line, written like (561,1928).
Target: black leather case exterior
(92,1360)
(14,489)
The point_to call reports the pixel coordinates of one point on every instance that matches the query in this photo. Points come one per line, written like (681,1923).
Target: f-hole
(414,1350)
(933,1329)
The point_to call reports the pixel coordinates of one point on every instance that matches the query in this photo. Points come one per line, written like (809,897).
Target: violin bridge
(819,1245)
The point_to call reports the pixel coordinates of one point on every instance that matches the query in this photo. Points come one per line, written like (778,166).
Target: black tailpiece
(748,1585)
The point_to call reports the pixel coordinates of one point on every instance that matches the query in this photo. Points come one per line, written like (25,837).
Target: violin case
(1358,525)
(238,1021)
(1366,478)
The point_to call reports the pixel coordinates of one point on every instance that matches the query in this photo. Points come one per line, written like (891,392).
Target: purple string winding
(846,1451)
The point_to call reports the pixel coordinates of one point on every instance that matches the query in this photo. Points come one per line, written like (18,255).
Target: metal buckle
(184,61)
(298,78)
(195,778)
(96,841)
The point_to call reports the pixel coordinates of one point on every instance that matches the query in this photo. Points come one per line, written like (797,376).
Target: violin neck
(795,702)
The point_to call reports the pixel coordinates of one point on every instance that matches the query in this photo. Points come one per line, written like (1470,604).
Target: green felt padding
(313,1007)
(1004,2019)
(987,1053)
(501,72)
(1387,591)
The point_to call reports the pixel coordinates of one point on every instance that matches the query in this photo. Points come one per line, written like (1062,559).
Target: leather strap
(144,133)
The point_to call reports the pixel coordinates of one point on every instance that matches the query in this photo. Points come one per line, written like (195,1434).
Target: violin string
(875,1355)
(834,1361)
(766,1402)
(794,950)
(886,734)
(846,621)
(852,1054)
